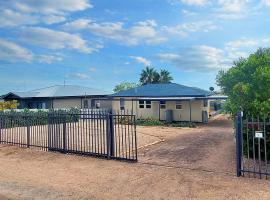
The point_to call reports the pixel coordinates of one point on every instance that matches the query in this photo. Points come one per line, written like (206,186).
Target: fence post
(239,143)
(110,135)
(64,134)
(28,132)
(1,119)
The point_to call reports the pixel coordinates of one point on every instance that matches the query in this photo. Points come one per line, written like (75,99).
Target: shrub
(154,122)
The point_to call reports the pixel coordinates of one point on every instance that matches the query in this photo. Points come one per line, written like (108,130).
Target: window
(141,104)
(97,105)
(85,103)
(93,103)
(148,104)
(178,105)
(205,103)
(122,104)
(162,104)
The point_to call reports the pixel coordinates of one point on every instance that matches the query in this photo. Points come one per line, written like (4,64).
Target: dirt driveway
(177,164)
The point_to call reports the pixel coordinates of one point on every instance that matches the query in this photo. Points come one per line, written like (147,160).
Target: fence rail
(92,132)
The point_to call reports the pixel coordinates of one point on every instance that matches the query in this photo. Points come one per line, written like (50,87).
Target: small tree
(8,105)
(212,89)
(124,86)
(247,83)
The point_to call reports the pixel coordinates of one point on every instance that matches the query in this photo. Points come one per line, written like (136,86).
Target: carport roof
(163,90)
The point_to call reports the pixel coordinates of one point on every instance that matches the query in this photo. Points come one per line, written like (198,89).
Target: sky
(101,43)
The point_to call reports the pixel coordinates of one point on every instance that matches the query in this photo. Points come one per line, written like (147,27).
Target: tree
(8,105)
(124,86)
(247,83)
(165,76)
(150,75)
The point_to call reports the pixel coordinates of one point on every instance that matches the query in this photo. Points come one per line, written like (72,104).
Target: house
(60,96)
(169,101)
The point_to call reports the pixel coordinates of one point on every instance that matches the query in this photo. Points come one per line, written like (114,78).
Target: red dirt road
(189,164)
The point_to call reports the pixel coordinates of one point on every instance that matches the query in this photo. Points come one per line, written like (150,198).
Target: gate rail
(252,146)
(94,133)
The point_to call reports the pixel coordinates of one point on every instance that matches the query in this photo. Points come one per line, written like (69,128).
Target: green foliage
(150,75)
(247,84)
(212,89)
(32,118)
(8,105)
(124,86)
(155,122)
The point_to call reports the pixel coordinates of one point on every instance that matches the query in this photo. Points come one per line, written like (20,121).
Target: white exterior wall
(197,107)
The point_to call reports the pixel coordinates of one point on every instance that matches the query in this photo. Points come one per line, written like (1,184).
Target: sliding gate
(95,133)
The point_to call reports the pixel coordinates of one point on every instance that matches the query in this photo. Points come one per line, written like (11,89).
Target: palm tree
(149,75)
(165,76)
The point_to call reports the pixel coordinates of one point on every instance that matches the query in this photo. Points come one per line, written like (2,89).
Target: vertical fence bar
(64,134)
(27,132)
(111,128)
(238,143)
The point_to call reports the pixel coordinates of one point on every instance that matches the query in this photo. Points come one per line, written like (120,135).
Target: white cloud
(12,52)
(51,7)
(190,2)
(266,2)
(233,9)
(142,60)
(81,76)
(52,19)
(28,12)
(48,59)
(197,58)
(185,28)
(245,46)
(52,39)
(92,69)
(11,18)
(140,32)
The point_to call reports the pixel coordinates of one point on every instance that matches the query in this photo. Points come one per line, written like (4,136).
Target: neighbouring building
(60,96)
(168,101)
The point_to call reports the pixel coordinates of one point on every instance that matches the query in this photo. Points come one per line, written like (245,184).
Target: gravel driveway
(178,164)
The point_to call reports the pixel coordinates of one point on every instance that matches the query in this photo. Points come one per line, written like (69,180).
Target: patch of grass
(154,122)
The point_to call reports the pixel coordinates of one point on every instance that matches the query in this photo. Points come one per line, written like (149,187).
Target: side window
(141,104)
(178,105)
(205,103)
(148,104)
(122,104)
(93,103)
(85,103)
(162,104)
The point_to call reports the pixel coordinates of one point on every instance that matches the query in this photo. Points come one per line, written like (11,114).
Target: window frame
(148,104)
(141,104)
(178,103)
(122,103)
(162,105)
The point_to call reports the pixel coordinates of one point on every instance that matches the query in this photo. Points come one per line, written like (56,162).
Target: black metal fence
(253,146)
(92,132)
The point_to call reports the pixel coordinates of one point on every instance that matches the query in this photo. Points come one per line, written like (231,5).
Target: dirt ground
(176,163)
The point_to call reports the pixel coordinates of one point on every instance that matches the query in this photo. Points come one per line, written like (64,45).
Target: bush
(155,122)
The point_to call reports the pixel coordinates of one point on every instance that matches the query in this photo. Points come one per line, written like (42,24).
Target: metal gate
(252,146)
(94,133)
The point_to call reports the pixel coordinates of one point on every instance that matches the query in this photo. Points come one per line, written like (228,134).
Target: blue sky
(100,43)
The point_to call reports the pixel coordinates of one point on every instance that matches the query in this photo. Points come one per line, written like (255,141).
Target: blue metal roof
(60,91)
(162,90)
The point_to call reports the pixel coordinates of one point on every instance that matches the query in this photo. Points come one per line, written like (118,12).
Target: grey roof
(61,91)
(163,90)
